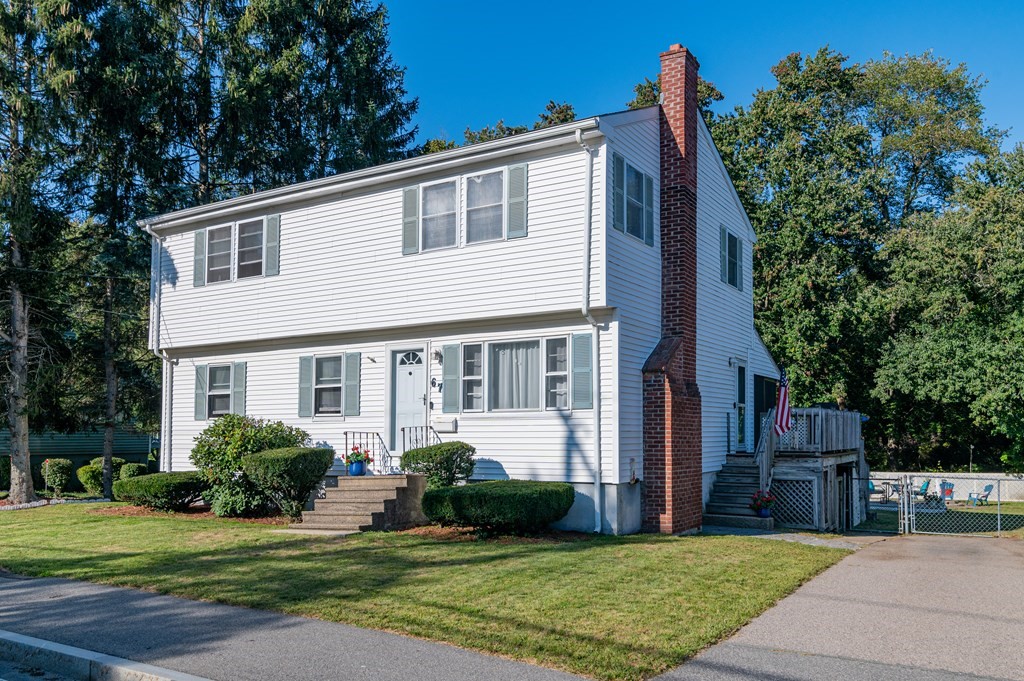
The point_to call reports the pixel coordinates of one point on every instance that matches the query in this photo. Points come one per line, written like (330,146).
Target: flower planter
(764,512)
(357,468)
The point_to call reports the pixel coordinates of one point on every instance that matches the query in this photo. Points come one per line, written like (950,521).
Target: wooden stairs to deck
(729,502)
(365,503)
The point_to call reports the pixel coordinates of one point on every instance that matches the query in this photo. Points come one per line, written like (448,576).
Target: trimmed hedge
(91,478)
(445,464)
(163,491)
(288,475)
(500,506)
(133,470)
(57,474)
(116,463)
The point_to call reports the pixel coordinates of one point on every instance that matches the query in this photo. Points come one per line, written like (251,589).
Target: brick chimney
(672,413)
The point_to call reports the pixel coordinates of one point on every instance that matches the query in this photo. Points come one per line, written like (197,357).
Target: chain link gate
(932,504)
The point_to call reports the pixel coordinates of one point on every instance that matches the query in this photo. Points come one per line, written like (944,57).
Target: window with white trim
(632,200)
(473,377)
(556,373)
(485,207)
(218,254)
(513,375)
(250,248)
(439,210)
(327,386)
(218,390)
(731,256)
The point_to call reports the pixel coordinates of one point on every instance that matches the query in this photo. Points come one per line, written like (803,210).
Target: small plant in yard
(288,476)
(91,478)
(132,470)
(116,463)
(762,501)
(163,491)
(218,454)
(445,464)
(57,474)
(358,455)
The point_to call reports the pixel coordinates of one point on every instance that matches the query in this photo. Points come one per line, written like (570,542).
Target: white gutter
(390,172)
(588,220)
(167,373)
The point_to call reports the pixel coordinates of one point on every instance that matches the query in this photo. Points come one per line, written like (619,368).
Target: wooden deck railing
(819,431)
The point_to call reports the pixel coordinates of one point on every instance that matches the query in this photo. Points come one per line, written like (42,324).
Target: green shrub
(288,476)
(218,454)
(164,491)
(91,478)
(444,464)
(116,463)
(57,474)
(133,470)
(501,506)
(5,473)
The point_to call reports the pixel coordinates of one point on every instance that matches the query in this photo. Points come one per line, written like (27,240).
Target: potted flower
(762,502)
(357,459)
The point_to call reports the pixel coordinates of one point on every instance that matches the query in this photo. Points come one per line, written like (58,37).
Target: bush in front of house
(57,474)
(500,506)
(116,463)
(288,475)
(218,454)
(163,491)
(91,478)
(132,470)
(445,464)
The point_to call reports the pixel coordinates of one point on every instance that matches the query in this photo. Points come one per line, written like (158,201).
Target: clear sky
(473,62)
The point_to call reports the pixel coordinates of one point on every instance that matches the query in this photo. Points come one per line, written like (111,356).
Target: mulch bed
(461,534)
(197,512)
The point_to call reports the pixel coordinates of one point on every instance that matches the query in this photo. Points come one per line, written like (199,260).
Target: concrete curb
(80,664)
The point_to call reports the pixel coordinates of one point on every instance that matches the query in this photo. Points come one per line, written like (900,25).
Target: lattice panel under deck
(794,503)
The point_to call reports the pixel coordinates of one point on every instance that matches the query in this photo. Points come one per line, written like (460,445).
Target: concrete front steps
(729,502)
(365,503)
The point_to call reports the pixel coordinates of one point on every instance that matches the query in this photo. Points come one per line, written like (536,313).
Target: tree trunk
(22,490)
(110,374)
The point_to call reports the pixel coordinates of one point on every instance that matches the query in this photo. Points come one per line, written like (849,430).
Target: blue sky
(473,62)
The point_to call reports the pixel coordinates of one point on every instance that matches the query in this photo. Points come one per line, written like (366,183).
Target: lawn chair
(975,497)
(882,492)
(946,491)
(923,492)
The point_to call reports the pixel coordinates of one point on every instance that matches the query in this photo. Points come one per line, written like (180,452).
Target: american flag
(783,413)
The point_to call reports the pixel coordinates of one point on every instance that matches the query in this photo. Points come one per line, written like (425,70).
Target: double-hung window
(485,207)
(556,373)
(327,386)
(473,377)
(218,390)
(241,250)
(514,375)
(440,215)
(632,200)
(250,249)
(218,254)
(731,255)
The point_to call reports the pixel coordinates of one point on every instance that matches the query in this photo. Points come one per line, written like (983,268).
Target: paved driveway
(919,607)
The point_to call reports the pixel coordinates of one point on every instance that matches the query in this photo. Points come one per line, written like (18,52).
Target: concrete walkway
(234,644)
(914,608)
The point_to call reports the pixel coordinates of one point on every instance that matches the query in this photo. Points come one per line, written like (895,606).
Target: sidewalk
(227,643)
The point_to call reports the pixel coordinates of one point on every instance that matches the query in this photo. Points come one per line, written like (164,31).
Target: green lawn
(958,519)
(608,607)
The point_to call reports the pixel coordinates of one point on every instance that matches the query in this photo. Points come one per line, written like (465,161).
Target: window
(218,254)
(741,408)
(514,375)
(632,201)
(485,207)
(250,249)
(327,386)
(439,210)
(556,373)
(731,247)
(218,390)
(473,377)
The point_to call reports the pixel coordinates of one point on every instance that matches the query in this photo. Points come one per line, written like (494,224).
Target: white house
(575,302)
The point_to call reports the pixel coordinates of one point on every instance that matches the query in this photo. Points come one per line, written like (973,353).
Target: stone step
(335,494)
(713,519)
(728,509)
(360,519)
(367,482)
(335,527)
(348,506)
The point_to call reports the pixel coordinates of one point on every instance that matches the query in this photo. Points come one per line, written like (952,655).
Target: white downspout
(588,227)
(167,375)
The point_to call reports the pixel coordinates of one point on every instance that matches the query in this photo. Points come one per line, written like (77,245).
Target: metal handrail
(764,453)
(373,443)
(414,437)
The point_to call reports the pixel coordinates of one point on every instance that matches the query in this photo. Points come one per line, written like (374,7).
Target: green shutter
(739,263)
(648,211)
(618,193)
(410,220)
(517,182)
(353,363)
(273,248)
(582,371)
(723,249)
(306,386)
(200,392)
(199,259)
(451,359)
(238,389)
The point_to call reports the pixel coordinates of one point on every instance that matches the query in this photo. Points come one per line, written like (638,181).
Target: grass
(607,607)
(958,519)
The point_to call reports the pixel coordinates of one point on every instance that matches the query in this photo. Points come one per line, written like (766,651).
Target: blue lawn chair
(974,498)
(946,491)
(923,492)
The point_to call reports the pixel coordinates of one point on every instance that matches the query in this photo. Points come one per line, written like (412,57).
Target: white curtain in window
(515,375)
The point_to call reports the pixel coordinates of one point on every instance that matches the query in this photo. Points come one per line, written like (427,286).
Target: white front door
(410,393)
